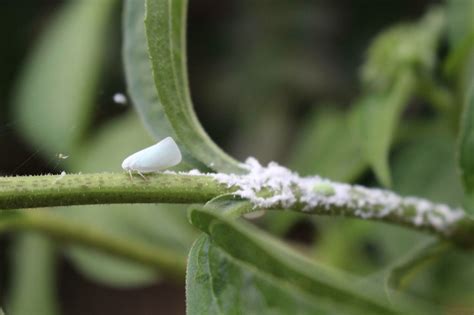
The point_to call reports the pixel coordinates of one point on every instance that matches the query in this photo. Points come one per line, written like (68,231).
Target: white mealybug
(158,157)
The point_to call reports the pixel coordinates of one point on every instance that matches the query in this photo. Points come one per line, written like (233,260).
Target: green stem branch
(108,188)
(105,188)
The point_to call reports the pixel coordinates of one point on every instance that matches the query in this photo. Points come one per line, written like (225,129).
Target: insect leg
(143,176)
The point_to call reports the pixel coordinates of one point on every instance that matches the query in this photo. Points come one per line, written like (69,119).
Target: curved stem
(63,230)
(272,187)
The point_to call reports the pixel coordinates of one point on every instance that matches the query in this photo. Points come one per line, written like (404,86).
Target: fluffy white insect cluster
(275,186)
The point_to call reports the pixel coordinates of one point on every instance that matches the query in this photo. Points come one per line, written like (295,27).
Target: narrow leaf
(55,94)
(378,116)
(403,271)
(33,279)
(139,76)
(165,25)
(466,148)
(397,62)
(253,253)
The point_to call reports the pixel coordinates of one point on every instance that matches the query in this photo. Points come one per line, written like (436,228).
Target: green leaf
(466,148)
(165,25)
(326,146)
(33,278)
(362,247)
(378,116)
(237,259)
(460,21)
(404,47)
(398,60)
(425,165)
(230,206)
(218,284)
(139,77)
(55,94)
(162,226)
(459,62)
(404,270)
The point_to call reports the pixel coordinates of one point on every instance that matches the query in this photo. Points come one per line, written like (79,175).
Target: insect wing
(158,157)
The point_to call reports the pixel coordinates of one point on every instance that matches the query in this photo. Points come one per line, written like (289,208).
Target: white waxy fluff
(275,186)
(158,157)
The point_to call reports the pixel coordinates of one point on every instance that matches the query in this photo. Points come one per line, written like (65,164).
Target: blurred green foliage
(261,75)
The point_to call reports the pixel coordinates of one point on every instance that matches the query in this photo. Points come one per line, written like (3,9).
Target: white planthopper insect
(155,158)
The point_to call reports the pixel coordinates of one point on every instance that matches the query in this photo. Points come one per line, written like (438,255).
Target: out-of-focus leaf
(425,166)
(460,24)
(138,74)
(56,91)
(401,48)
(236,259)
(362,247)
(400,274)
(326,146)
(165,25)
(155,226)
(33,277)
(460,61)
(466,148)
(396,61)
(378,116)
(163,225)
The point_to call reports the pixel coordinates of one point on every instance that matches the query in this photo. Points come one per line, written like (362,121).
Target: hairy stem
(273,187)
(105,188)
(66,231)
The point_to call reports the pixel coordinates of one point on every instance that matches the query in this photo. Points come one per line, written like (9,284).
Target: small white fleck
(120,98)
(62,156)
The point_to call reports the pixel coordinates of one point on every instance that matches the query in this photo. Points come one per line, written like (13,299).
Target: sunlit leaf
(236,259)
(165,25)
(56,93)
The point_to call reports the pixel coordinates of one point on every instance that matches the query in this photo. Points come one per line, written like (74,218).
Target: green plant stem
(108,188)
(105,188)
(66,231)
